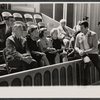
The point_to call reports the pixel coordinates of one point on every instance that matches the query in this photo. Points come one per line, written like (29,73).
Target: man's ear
(87,28)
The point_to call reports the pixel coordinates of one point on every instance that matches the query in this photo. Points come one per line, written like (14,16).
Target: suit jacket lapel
(18,45)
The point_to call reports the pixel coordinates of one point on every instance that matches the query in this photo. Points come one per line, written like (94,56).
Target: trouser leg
(86,73)
(33,64)
(96,60)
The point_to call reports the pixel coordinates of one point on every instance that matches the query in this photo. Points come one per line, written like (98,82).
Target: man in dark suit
(86,45)
(16,54)
(9,21)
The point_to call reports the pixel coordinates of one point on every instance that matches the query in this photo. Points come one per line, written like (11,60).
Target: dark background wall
(58,12)
(70,11)
(47,9)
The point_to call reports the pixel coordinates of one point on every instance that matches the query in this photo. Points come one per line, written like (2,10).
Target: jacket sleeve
(14,53)
(77,44)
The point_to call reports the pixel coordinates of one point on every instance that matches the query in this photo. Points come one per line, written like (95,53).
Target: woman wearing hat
(33,36)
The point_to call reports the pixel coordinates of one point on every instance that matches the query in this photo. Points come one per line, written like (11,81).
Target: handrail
(67,73)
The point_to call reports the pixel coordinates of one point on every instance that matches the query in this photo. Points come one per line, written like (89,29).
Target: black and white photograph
(49,44)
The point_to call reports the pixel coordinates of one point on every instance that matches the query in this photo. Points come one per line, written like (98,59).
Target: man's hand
(27,59)
(81,52)
(41,53)
(26,54)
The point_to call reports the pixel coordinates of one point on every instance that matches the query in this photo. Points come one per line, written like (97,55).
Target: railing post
(51,76)
(59,75)
(74,74)
(33,79)
(66,75)
(43,79)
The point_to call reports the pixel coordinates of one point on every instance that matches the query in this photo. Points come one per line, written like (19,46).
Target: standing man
(98,36)
(86,45)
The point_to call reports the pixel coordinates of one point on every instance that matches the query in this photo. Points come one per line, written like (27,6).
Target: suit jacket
(4,34)
(8,32)
(14,48)
(92,41)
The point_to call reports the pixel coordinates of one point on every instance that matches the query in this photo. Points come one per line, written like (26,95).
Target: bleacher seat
(30,23)
(18,17)
(37,18)
(19,22)
(41,25)
(28,18)
(6,14)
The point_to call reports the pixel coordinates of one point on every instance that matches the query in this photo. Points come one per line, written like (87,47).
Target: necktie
(19,40)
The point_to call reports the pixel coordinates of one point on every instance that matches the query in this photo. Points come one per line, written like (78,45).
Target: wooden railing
(68,73)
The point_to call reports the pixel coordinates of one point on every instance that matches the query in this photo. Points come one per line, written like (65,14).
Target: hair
(31,28)
(41,32)
(85,23)
(62,20)
(52,31)
(85,18)
(98,23)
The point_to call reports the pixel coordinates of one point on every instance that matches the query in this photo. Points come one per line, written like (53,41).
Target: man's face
(63,24)
(11,21)
(45,33)
(54,36)
(83,29)
(35,34)
(19,31)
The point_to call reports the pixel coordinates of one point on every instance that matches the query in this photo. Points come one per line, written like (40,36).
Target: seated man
(16,54)
(64,33)
(9,21)
(86,45)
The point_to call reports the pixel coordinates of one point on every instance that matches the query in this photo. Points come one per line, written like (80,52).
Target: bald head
(62,22)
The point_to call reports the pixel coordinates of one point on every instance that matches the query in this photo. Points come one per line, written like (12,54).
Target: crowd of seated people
(27,46)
